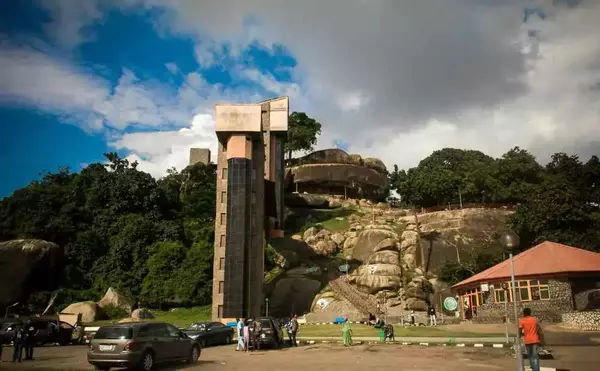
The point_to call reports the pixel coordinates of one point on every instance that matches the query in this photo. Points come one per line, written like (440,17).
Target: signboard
(450,304)
(344,268)
(485,287)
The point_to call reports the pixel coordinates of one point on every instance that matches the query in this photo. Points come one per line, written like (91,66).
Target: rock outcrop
(88,310)
(456,234)
(29,266)
(115,299)
(141,313)
(333,171)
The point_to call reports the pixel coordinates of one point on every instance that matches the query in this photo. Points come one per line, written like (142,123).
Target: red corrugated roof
(544,259)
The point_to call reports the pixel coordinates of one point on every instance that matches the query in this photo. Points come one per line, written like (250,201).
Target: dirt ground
(330,358)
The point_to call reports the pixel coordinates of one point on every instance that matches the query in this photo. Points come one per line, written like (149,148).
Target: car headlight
(193,337)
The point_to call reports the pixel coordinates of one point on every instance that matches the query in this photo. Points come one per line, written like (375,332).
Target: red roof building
(551,279)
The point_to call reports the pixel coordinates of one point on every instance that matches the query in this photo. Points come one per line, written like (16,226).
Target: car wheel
(147,362)
(194,354)
(228,340)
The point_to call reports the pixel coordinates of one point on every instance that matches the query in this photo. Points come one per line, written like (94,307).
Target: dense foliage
(121,228)
(557,202)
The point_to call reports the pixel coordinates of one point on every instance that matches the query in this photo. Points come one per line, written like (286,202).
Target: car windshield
(197,327)
(265,323)
(114,332)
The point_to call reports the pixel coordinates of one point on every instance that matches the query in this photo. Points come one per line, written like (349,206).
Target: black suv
(271,332)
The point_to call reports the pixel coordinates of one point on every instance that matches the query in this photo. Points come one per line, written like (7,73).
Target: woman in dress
(246,337)
(346,333)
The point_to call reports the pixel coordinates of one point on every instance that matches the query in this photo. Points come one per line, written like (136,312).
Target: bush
(112,312)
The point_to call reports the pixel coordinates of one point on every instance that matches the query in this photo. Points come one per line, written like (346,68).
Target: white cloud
(172,67)
(158,151)
(70,19)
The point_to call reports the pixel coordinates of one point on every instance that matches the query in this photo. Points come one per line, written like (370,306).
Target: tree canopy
(121,228)
(302,133)
(557,202)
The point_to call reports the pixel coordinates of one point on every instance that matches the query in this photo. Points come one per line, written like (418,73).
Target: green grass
(369,331)
(180,317)
(335,225)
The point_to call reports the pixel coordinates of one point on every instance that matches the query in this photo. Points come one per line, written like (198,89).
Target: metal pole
(518,351)
(506,315)
(267,307)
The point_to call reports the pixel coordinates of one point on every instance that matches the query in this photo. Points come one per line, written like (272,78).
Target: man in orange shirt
(532,335)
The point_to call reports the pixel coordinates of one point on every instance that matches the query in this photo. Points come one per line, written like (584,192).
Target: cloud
(158,151)
(399,79)
(70,19)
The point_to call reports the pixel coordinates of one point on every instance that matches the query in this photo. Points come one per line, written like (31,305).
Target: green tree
(161,283)
(302,133)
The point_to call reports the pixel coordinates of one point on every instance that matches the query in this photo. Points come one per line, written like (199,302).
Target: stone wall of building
(586,292)
(585,320)
(561,301)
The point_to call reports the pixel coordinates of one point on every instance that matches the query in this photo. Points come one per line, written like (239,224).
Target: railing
(433,209)
(363,302)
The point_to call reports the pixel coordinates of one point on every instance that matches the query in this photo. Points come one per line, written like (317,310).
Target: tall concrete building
(250,186)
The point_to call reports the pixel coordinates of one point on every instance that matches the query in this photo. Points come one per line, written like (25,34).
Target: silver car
(140,346)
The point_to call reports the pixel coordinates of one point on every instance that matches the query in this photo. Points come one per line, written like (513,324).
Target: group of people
(24,338)
(249,333)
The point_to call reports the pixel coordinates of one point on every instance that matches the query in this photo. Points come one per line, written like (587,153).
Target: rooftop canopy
(547,258)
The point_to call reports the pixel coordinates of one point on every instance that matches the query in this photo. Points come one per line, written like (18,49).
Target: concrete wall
(561,301)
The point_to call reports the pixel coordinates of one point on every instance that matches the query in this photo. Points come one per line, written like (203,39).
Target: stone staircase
(361,301)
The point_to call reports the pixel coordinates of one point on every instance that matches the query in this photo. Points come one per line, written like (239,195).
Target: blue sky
(35,141)
(389,79)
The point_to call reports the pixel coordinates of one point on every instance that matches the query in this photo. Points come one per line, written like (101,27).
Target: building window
(221,263)
(221,286)
(222,241)
(499,296)
(220,311)
(223,218)
(528,290)
(224,173)
(223,197)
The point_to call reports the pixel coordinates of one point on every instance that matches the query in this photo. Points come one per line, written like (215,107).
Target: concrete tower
(250,184)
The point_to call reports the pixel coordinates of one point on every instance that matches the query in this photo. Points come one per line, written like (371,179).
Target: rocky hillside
(384,250)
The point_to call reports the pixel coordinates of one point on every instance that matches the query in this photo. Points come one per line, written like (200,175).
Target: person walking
(532,337)
(18,339)
(346,333)
(240,334)
(432,319)
(294,329)
(31,334)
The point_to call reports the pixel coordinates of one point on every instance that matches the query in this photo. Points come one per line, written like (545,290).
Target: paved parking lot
(331,358)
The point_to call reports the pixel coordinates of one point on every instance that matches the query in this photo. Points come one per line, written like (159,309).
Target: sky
(392,79)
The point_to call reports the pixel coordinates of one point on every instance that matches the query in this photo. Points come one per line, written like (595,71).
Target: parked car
(271,332)
(140,345)
(210,333)
(49,331)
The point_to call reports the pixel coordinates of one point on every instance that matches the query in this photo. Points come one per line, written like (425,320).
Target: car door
(220,332)
(180,347)
(160,341)
(211,336)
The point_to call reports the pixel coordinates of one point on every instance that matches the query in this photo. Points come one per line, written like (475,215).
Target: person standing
(346,333)
(246,336)
(532,336)
(31,334)
(432,318)
(240,334)
(256,331)
(412,317)
(18,339)
(294,328)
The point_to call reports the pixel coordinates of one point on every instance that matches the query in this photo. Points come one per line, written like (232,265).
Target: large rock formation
(88,310)
(27,266)
(455,235)
(333,171)
(115,299)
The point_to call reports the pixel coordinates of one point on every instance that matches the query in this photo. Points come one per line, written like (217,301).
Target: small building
(551,278)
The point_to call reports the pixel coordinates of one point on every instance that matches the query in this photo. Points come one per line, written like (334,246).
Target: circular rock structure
(335,172)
